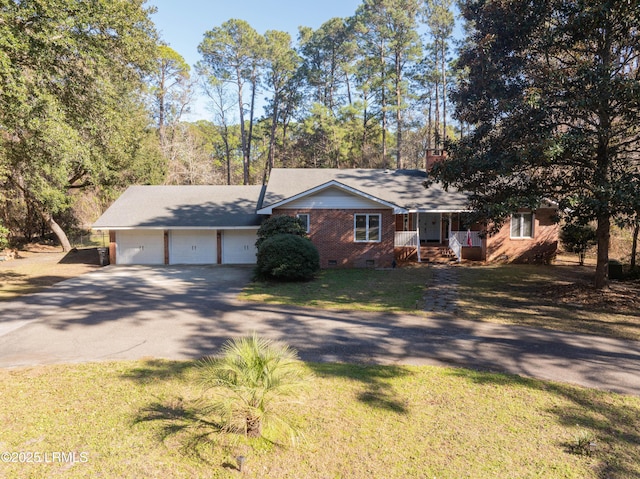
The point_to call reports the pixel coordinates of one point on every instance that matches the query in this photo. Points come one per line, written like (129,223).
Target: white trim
(298,215)
(533,225)
(333,183)
(163,228)
(367,215)
(419,210)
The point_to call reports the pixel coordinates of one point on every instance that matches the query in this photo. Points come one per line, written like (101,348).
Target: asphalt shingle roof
(236,206)
(402,188)
(184,207)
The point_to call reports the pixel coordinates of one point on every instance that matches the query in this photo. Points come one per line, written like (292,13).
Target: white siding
(332,198)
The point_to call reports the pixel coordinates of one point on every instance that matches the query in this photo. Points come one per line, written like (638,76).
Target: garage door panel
(140,247)
(239,247)
(193,247)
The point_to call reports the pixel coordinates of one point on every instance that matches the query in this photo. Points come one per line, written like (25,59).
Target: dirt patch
(574,287)
(37,266)
(618,297)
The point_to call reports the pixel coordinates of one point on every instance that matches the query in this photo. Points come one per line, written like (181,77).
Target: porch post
(449,226)
(418,235)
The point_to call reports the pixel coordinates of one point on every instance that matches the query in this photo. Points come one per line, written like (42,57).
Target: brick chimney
(433,157)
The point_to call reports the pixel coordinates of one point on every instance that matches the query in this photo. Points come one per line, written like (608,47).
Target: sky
(182,23)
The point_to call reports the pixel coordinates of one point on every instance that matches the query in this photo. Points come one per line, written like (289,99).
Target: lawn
(40,266)
(393,290)
(557,296)
(358,422)
(543,296)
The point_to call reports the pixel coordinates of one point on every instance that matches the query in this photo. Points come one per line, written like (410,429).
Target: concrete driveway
(189,312)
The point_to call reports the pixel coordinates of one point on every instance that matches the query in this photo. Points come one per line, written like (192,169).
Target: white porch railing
(455,246)
(457,241)
(407,239)
(466,238)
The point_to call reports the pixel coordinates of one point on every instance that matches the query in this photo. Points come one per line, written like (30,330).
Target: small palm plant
(251,381)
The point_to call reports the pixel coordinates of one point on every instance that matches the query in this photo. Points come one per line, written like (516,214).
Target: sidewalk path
(123,313)
(441,294)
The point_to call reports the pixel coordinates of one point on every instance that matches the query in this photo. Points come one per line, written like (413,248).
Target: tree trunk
(603,233)
(383,105)
(243,136)
(59,232)
(429,133)
(634,244)
(398,113)
(272,136)
(444,93)
(436,136)
(254,86)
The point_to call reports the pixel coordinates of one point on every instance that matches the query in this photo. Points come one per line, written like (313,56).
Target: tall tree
(70,87)
(329,53)
(170,88)
(222,105)
(281,65)
(440,22)
(389,27)
(233,53)
(553,92)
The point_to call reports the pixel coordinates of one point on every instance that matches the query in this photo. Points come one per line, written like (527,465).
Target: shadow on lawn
(159,369)
(612,419)
(377,393)
(13,284)
(185,421)
(553,297)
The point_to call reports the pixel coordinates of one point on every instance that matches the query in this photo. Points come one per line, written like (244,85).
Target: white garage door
(193,247)
(140,247)
(239,247)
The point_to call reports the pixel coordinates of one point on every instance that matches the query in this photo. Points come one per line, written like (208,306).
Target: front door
(430,230)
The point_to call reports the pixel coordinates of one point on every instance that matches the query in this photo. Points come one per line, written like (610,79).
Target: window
(305,219)
(366,228)
(522,225)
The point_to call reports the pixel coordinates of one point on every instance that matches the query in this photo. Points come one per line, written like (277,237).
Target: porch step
(428,254)
(437,254)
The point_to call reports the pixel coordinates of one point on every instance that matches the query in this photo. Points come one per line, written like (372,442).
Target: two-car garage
(185,247)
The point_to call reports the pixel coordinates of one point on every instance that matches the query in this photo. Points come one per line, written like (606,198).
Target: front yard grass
(392,290)
(358,422)
(550,296)
(543,296)
(40,267)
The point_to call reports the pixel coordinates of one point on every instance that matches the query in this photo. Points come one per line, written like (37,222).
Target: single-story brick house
(355,217)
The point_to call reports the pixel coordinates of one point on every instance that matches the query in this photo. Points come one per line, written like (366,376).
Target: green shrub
(253,379)
(287,257)
(280,224)
(577,239)
(4,237)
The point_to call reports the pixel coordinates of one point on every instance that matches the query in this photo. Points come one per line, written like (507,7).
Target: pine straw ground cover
(358,422)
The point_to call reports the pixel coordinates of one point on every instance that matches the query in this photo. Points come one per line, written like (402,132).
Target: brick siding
(331,231)
(541,248)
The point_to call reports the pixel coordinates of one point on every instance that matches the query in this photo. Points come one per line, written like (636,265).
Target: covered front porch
(421,232)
